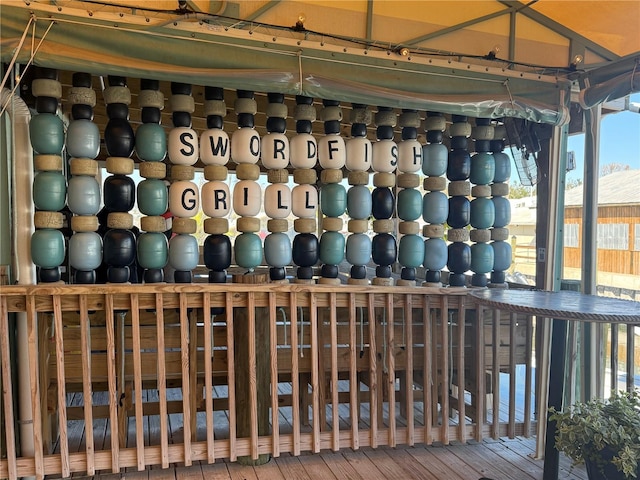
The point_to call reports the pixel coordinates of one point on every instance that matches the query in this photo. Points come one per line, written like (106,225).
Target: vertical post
(252,387)
(589,245)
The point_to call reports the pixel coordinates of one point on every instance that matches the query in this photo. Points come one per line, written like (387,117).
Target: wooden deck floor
(496,460)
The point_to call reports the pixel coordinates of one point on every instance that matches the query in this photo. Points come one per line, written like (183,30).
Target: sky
(619,142)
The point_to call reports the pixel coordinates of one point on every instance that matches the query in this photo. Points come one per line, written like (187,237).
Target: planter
(608,471)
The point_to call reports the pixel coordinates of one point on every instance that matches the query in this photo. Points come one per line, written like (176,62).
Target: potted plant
(605,434)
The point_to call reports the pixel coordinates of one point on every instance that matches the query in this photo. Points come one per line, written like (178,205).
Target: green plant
(603,432)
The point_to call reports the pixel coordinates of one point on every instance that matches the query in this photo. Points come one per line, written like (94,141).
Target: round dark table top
(565,305)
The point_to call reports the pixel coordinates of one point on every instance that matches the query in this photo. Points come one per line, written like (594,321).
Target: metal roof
(618,188)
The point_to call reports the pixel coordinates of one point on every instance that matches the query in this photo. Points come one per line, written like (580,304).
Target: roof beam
(459,26)
(369,29)
(559,28)
(259,12)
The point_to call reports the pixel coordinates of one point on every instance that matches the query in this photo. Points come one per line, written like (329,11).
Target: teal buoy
(47,248)
(409,204)
(151,142)
(153,196)
(49,191)
(47,134)
(333,199)
(153,250)
(482,213)
(332,248)
(248,250)
(411,251)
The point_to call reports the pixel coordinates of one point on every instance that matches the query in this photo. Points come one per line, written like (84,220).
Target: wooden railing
(141,375)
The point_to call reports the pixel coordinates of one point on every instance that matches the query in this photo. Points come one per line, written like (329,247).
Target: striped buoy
(482,211)
(359,202)
(247,194)
(83,192)
(152,194)
(384,162)
(216,196)
(119,242)
(304,196)
(411,246)
(502,252)
(184,195)
(333,195)
(46,133)
(458,171)
(435,204)
(277,196)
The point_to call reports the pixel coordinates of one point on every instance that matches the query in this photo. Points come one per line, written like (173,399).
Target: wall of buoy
(454,228)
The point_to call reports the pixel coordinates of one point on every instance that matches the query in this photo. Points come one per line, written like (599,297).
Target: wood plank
(427,369)
(391,369)
(315,387)
(480,372)
(241,472)
(354,384)
(231,375)
(444,384)
(62,397)
(295,375)
(316,467)
(487,462)
(208,387)
(137,381)
(495,375)
(113,392)
(86,384)
(193,472)
(362,464)
(273,360)
(7,389)
(433,464)
(373,373)
(340,466)
(408,464)
(186,392)
(162,384)
(218,471)
(335,417)
(462,420)
(292,467)
(34,378)
(408,345)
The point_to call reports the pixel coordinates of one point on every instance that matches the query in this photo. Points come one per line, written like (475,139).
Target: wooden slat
(253,384)
(186,393)
(408,344)
(62,394)
(528,375)
(231,374)
(495,374)
(444,385)
(34,378)
(192,315)
(113,391)
(295,374)
(7,389)
(137,381)
(631,348)
(273,359)
(354,401)
(335,415)
(315,387)
(480,373)
(162,383)
(512,375)
(614,356)
(373,373)
(87,393)
(462,416)
(391,369)
(208,384)
(427,370)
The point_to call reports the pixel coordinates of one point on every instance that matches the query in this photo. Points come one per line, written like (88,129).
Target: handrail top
(195,288)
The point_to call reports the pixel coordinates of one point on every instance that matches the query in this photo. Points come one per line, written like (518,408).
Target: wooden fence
(140,375)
